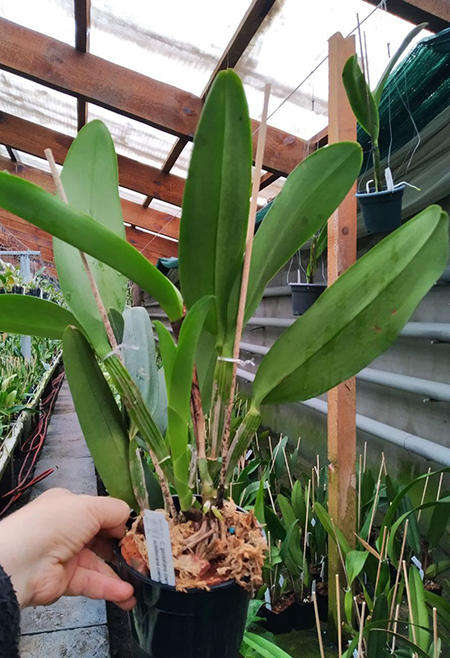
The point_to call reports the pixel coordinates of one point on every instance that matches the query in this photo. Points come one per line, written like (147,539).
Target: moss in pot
(157,432)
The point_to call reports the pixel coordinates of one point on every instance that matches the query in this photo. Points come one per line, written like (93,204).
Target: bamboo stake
(424,493)
(435,634)
(92,282)
(397,577)
(319,631)
(365,457)
(361,629)
(408,596)
(339,622)
(318,471)
(270,446)
(305,538)
(380,562)
(313,486)
(359,492)
(377,493)
(397,610)
(271,498)
(439,487)
(339,550)
(245,278)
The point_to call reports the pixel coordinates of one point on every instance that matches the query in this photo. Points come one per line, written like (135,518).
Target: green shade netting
(417,91)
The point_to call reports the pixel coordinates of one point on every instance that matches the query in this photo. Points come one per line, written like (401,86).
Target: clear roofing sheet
(54,18)
(175,41)
(293,41)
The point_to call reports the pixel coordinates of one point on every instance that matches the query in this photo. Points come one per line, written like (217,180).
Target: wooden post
(342,399)
(137,295)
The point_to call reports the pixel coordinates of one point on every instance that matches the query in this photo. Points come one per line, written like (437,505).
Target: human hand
(52,547)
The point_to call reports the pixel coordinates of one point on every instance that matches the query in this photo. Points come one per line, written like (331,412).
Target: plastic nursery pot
(304,617)
(17,290)
(166,623)
(34,292)
(278,622)
(304,295)
(382,211)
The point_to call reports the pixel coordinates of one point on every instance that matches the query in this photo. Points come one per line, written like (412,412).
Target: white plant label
(160,558)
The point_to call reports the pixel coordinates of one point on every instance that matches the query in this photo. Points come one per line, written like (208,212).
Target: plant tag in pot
(159,548)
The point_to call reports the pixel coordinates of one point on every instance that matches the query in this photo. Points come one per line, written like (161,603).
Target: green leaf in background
(263,647)
(179,394)
(359,316)
(419,609)
(274,525)
(167,348)
(259,504)
(139,354)
(287,512)
(32,316)
(216,201)
(298,502)
(90,181)
(361,98)
(99,416)
(331,529)
(376,642)
(438,523)
(81,231)
(354,564)
(311,194)
(145,483)
(378,91)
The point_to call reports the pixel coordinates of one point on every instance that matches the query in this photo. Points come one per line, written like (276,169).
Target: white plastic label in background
(389,179)
(159,548)
(415,560)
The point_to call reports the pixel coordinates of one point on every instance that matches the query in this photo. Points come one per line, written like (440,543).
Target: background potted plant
(382,204)
(305,294)
(224,269)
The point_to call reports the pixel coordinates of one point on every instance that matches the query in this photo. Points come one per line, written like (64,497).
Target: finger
(96,580)
(110,514)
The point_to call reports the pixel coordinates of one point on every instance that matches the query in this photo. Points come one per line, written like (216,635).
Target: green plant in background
(365,103)
(353,322)
(317,247)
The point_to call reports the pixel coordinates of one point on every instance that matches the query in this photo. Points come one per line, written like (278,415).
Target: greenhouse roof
(147,70)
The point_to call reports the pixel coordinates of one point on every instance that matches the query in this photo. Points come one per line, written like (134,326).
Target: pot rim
(308,285)
(171,588)
(364,195)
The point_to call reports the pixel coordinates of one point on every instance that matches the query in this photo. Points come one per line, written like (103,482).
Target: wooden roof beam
(150,244)
(82,32)
(61,67)
(245,32)
(434,12)
(34,139)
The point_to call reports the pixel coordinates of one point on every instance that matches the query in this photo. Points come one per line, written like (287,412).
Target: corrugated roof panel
(55,18)
(177,42)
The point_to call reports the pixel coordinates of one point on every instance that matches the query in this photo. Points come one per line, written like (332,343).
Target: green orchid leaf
(167,348)
(358,317)
(32,316)
(322,241)
(139,355)
(287,512)
(259,503)
(376,642)
(361,98)
(99,416)
(274,525)
(262,647)
(331,528)
(137,474)
(81,231)
(90,181)
(310,195)
(179,394)
(354,564)
(438,524)
(419,609)
(298,502)
(378,91)
(216,201)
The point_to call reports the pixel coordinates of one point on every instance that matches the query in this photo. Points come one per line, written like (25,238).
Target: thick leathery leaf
(168,350)
(359,316)
(419,609)
(216,200)
(263,647)
(361,98)
(139,354)
(32,316)
(81,231)
(90,181)
(99,416)
(376,642)
(354,564)
(179,394)
(309,197)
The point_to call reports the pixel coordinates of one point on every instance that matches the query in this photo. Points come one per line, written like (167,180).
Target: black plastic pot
(322,606)
(382,211)
(166,623)
(17,290)
(304,617)
(304,295)
(278,622)
(34,292)
(45,295)
(2,291)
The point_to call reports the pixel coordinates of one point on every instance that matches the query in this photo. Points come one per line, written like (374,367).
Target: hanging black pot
(382,211)
(304,295)
(166,623)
